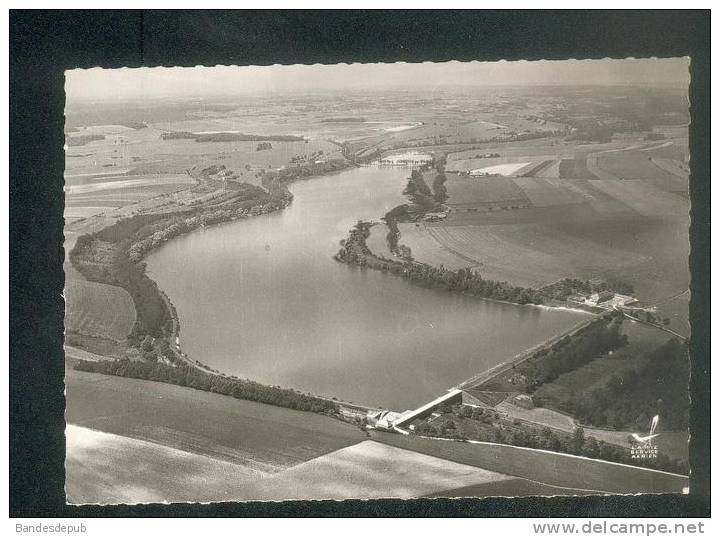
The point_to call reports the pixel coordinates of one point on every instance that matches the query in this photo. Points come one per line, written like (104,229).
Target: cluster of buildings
(604,299)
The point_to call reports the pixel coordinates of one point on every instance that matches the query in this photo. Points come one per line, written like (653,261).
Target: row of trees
(109,263)
(273,178)
(184,375)
(439,188)
(392,217)
(517,434)
(566,287)
(470,281)
(354,251)
(129,239)
(419,192)
(571,352)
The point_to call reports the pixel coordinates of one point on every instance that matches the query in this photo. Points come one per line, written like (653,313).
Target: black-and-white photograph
(429,280)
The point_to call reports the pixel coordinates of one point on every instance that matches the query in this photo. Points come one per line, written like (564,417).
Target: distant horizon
(129,84)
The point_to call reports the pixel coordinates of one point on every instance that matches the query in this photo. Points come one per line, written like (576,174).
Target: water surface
(263,299)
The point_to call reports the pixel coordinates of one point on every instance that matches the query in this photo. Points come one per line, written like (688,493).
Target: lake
(263,299)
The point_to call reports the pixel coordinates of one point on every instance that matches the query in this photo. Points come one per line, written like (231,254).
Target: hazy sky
(99,84)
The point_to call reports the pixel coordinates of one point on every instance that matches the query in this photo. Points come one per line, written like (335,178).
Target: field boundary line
(557,453)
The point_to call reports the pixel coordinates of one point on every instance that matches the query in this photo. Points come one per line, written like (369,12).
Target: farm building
(608,299)
(434,217)
(383,419)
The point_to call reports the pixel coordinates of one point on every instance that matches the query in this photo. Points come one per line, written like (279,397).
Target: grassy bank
(192,377)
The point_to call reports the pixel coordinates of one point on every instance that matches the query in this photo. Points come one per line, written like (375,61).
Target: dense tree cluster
(183,375)
(355,251)
(391,218)
(439,188)
(109,263)
(566,287)
(113,255)
(419,192)
(271,179)
(571,352)
(658,385)
(492,428)
(469,281)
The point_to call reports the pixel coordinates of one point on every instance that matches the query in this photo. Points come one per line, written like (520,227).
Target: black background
(45,43)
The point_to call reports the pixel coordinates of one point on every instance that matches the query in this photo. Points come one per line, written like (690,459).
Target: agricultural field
(529,254)
(207,424)
(550,169)
(98,310)
(505,169)
(676,309)
(369,470)
(483,193)
(575,168)
(119,197)
(553,469)
(425,248)
(91,185)
(548,192)
(556,218)
(666,174)
(644,198)
(106,468)
(117,423)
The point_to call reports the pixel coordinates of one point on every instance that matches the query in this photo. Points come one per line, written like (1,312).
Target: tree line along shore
(622,395)
(114,256)
(423,201)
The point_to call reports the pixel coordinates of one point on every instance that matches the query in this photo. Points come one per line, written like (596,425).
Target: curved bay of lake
(263,299)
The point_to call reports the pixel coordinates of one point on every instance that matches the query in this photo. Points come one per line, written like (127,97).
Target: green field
(483,192)
(98,310)
(546,193)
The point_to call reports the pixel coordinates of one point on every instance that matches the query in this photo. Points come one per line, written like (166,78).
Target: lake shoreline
(175,347)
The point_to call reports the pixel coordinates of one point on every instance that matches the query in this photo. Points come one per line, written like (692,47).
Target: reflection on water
(263,299)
